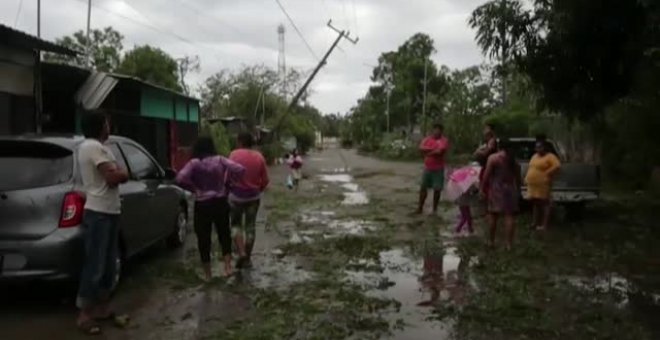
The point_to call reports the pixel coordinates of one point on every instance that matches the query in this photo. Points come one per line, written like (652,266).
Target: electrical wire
(297,30)
(215,19)
(355,18)
(147,25)
(18,12)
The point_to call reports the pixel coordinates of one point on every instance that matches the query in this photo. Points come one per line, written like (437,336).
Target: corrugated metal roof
(96,88)
(12,37)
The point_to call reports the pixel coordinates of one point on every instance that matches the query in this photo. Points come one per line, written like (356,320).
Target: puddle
(610,285)
(274,272)
(337,178)
(324,224)
(355,198)
(353,195)
(418,284)
(336,170)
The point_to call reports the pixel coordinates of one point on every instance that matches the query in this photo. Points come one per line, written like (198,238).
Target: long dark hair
(510,157)
(203,148)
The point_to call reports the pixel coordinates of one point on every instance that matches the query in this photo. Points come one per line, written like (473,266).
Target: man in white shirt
(100,177)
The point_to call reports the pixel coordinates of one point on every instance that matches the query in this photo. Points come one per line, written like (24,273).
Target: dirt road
(344,258)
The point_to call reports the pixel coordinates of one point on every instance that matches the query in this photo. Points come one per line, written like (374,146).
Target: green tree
(331,125)
(502,27)
(106,46)
(403,71)
(153,65)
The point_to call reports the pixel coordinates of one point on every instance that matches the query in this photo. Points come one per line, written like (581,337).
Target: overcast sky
(229,33)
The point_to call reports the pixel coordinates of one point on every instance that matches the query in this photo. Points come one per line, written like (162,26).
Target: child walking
(462,188)
(295,164)
(465,218)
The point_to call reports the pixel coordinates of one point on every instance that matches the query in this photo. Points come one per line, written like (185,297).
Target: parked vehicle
(574,185)
(41,206)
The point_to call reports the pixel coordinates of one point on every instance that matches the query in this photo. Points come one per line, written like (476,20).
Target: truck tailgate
(573,179)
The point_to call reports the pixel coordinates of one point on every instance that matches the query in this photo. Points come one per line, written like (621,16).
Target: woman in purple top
(207,175)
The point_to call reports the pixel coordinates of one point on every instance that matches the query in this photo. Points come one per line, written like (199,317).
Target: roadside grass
(531,292)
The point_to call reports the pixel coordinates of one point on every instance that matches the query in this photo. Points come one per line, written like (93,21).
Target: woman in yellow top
(542,168)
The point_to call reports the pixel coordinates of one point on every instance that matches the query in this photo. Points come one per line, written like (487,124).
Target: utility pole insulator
(294,101)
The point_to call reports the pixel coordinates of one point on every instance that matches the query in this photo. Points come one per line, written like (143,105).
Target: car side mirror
(170,174)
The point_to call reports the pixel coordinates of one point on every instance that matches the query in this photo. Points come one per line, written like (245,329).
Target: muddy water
(353,194)
(418,284)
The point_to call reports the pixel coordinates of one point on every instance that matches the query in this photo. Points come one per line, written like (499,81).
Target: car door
(133,195)
(161,208)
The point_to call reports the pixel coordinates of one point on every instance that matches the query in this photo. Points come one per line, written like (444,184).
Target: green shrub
(220,138)
(272,151)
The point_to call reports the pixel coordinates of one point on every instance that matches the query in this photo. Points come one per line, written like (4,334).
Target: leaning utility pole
(342,34)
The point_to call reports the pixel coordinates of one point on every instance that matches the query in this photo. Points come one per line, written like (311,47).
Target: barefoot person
(434,148)
(101,177)
(245,195)
(207,175)
(295,163)
(501,180)
(542,168)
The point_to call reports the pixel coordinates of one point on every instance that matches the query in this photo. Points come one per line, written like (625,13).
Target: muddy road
(345,258)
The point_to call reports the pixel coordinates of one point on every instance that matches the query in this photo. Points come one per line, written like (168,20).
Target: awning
(96,88)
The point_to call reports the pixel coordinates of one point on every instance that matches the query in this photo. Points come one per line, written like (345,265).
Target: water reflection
(445,276)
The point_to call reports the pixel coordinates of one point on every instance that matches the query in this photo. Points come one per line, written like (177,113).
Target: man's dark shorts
(433,179)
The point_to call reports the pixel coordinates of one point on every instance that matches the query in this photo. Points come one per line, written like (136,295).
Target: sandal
(119,320)
(89,327)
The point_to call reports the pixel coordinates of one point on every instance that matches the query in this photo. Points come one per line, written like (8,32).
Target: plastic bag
(289,182)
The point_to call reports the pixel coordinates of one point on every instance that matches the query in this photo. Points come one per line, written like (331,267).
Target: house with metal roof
(20,80)
(163,120)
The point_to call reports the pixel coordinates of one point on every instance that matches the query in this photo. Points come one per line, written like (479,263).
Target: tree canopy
(153,65)
(106,47)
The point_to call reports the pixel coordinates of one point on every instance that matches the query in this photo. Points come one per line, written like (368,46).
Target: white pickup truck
(574,185)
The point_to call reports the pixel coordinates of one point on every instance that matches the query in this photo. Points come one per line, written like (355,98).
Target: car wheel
(575,211)
(180,232)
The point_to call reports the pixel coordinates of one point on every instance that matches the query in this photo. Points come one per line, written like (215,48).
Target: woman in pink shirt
(245,195)
(207,175)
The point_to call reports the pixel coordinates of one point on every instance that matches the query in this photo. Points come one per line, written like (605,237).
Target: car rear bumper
(57,256)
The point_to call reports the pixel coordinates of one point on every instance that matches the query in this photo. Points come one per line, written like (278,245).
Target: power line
(343,10)
(147,25)
(355,18)
(214,19)
(18,12)
(297,30)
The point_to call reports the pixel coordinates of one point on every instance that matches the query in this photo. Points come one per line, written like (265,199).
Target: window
(141,165)
(25,165)
(121,162)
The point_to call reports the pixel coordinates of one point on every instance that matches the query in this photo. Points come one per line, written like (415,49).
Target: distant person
(245,196)
(295,163)
(207,175)
(488,147)
(541,171)
(500,187)
(100,177)
(433,148)
(465,211)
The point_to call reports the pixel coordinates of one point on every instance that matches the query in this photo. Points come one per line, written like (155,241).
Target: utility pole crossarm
(294,101)
(346,33)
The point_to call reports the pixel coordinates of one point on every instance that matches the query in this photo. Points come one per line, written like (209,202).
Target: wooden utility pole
(342,34)
(89,42)
(426,64)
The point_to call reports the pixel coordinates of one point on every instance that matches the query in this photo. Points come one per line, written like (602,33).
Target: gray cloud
(230,33)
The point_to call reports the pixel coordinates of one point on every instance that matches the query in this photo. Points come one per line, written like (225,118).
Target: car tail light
(72,209)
